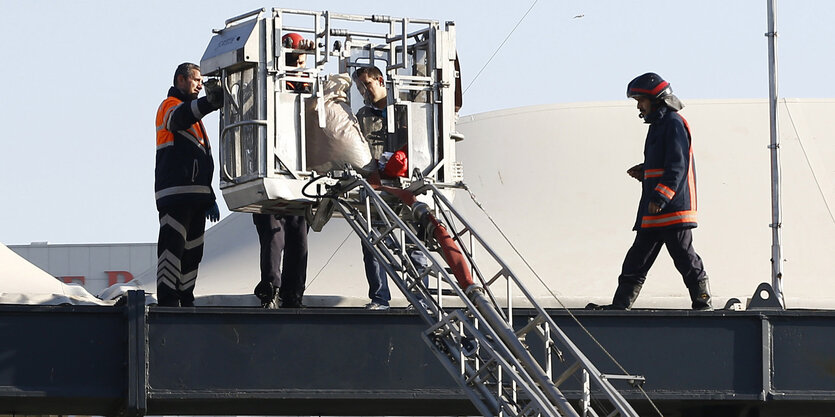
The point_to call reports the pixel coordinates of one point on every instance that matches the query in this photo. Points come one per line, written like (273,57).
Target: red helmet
(291,40)
(649,85)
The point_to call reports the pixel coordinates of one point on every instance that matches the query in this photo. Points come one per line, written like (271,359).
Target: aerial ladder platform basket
(267,129)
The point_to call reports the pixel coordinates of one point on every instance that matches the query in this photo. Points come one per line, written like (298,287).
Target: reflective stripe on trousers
(179,250)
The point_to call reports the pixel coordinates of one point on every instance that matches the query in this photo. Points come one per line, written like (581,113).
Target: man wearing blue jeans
(378,287)
(373,121)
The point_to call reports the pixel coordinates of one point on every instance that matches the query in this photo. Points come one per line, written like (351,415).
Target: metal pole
(776,216)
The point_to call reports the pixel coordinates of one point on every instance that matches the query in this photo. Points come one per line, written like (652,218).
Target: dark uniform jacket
(669,173)
(184,165)
(372,123)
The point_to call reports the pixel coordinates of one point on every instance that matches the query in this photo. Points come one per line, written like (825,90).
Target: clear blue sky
(82,81)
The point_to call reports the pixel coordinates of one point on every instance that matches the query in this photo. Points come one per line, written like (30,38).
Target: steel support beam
(134,360)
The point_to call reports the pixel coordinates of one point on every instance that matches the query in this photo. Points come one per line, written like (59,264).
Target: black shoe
(593,306)
(700,295)
(292,304)
(625,295)
(265,291)
(167,297)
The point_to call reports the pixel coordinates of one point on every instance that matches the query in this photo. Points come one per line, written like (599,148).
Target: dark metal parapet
(244,361)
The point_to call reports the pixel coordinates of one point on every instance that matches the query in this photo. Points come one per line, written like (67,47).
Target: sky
(82,81)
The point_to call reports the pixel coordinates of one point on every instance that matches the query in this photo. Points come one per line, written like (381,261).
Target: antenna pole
(774,146)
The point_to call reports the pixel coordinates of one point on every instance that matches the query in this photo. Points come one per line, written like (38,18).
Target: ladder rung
(633,380)
(498,275)
(532,323)
(568,372)
(444,291)
(485,368)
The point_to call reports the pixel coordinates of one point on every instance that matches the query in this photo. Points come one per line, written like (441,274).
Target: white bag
(341,141)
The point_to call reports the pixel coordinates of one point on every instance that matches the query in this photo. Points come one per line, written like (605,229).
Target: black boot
(265,291)
(187,298)
(625,295)
(291,303)
(700,295)
(167,296)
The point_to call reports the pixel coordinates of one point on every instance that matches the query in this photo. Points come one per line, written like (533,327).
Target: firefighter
(183,183)
(282,234)
(667,209)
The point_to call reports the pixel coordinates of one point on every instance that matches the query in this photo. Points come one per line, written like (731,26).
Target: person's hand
(654,208)
(307,44)
(214,93)
(636,172)
(213,213)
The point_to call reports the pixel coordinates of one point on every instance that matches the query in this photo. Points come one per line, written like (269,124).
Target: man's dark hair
(184,69)
(291,59)
(372,72)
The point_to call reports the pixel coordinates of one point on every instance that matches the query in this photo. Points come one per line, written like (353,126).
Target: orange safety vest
(184,165)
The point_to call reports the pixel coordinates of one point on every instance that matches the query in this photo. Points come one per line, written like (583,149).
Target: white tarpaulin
(24,283)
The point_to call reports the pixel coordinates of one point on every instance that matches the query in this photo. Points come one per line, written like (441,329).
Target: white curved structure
(554,178)
(21,282)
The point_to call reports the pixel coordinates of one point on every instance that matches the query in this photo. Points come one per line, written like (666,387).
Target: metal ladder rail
(444,206)
(483,369)
(393,257)
(534,390)
(386,255)
(601,380)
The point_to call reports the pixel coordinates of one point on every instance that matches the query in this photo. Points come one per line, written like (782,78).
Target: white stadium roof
(554,178)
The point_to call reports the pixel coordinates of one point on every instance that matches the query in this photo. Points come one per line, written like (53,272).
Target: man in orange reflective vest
(183,184)
(667,210)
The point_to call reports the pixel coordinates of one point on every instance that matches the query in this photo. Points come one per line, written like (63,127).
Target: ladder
(474,338)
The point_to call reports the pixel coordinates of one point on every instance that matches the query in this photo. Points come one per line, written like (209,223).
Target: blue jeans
(378,286)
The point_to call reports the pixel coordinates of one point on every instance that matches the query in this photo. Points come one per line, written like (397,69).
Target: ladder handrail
(514,363)
(510,360)
(595,374)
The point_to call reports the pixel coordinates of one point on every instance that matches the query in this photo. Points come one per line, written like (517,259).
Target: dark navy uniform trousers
(645,249)
(288,235)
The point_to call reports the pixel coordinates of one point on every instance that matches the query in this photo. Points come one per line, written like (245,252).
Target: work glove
(213,213)
(214,92)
